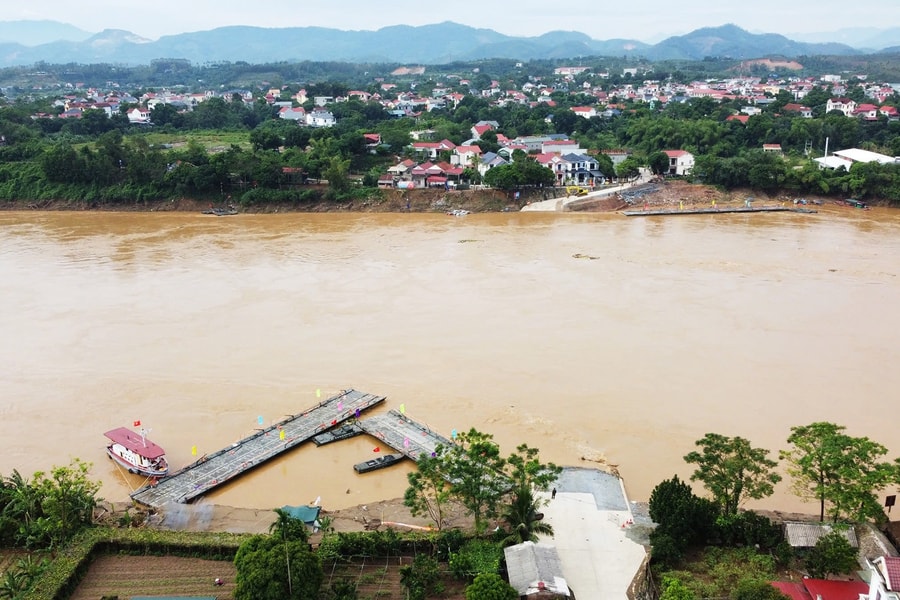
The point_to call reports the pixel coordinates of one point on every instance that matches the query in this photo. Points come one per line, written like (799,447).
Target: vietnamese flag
(137,423)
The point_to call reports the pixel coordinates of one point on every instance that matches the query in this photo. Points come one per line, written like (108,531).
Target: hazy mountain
(429,44)
(35,33)
(734,42)
(861,38)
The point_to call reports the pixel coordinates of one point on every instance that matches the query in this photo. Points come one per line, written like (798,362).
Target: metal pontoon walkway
(403,434)
(215,469)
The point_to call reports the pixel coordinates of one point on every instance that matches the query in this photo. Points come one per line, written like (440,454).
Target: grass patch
(212,140)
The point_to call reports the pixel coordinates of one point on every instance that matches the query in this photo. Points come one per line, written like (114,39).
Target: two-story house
(681,162)
(844,105)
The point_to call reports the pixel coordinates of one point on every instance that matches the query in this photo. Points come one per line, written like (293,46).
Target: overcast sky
(643,20)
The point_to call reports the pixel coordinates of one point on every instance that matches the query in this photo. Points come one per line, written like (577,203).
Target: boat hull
(378,463)
(136,469)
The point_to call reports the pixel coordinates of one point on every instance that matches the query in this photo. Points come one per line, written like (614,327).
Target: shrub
(422,578)
(832,555)
(475,558)
(490,586)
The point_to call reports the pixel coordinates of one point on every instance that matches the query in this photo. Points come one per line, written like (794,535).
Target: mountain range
(30,42)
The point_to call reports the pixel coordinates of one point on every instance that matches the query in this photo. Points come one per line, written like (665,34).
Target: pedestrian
(553,494)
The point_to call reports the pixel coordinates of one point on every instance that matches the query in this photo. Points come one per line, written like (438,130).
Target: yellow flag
(318,393)
(193,450)
(281,434)
(402,409)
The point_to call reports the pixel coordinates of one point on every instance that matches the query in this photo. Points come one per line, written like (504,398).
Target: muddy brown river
(597,338)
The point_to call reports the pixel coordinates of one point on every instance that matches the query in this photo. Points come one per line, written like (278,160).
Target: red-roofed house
(835,590)
(739,118)
(805,111)
(585,111)
(772,148)
(681,162)
(868,112)
(431,149)
(822,589)
(890,112)
(478,130)
(292,113)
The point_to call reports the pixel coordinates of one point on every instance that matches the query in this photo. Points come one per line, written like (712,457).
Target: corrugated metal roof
(534,567)
(805,535)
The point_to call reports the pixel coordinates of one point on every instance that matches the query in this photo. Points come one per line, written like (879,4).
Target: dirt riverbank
(665,193)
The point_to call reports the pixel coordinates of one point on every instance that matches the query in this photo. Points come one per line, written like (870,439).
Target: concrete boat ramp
(394,429)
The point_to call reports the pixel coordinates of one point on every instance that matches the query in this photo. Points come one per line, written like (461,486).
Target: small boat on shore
(377,463)
(136,453)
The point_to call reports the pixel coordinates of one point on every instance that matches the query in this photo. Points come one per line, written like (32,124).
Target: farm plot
(126,576)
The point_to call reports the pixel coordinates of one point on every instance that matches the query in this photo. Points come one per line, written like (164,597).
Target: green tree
(832,555)
(336,174)
(658,162)
(732,470)
(840,471)
(628,168)
(681,515)
(271,569)
(525,470)
(475,469)
(428,492)
(490,586)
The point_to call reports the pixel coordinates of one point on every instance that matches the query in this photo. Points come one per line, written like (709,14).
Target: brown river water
(594,337)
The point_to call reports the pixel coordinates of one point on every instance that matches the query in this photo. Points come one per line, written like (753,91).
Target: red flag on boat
(376,449)
(137,423)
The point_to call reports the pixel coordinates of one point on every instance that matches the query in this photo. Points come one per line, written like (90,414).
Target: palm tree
(288,527)
(523,519)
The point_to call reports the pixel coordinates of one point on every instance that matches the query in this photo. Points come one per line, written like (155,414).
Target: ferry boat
(136,453)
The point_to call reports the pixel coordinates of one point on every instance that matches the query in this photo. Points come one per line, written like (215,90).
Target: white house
(681,162)
(320,118)
(845,105)
(138,115)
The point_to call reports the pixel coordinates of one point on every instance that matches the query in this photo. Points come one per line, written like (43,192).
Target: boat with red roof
(136,453)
